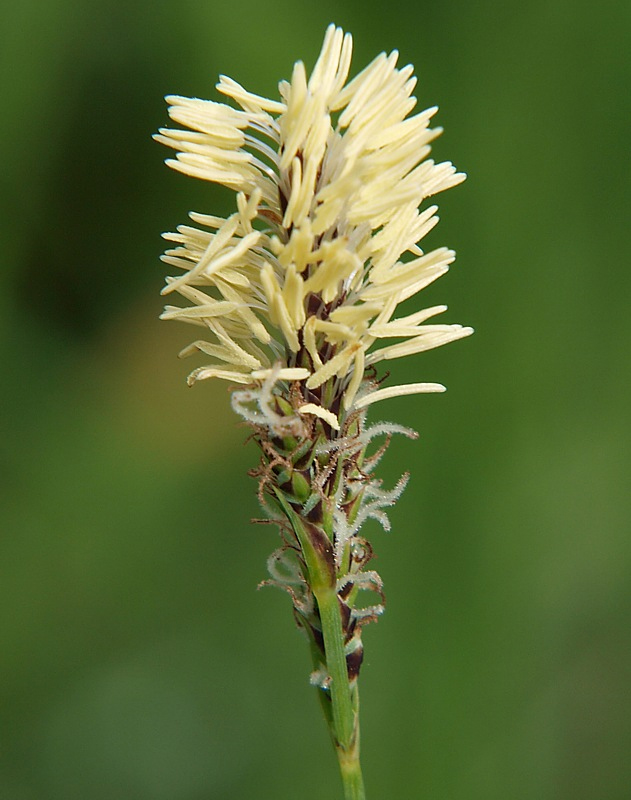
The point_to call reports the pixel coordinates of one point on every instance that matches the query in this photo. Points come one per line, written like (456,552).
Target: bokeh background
(137,660)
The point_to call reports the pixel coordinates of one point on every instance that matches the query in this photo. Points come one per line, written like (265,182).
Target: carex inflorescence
(296,292)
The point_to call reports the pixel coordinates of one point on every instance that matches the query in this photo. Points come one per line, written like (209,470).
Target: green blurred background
(137,660)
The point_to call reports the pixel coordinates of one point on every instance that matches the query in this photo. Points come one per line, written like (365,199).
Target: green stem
(343,717)
(352,779)
(343,714)
(344,705)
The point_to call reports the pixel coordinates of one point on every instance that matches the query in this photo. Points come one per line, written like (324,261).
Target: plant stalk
(344,701)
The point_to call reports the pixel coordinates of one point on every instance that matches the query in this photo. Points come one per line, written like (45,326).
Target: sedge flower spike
(297,293)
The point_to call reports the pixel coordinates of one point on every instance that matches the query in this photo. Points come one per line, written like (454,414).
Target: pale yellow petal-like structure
(303,280)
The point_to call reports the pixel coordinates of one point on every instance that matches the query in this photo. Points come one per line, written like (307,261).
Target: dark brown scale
(345,613)
(318,638)
(315,515)
(323,545)
(314,304)
(345,590)
(354,662)
(282,201)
